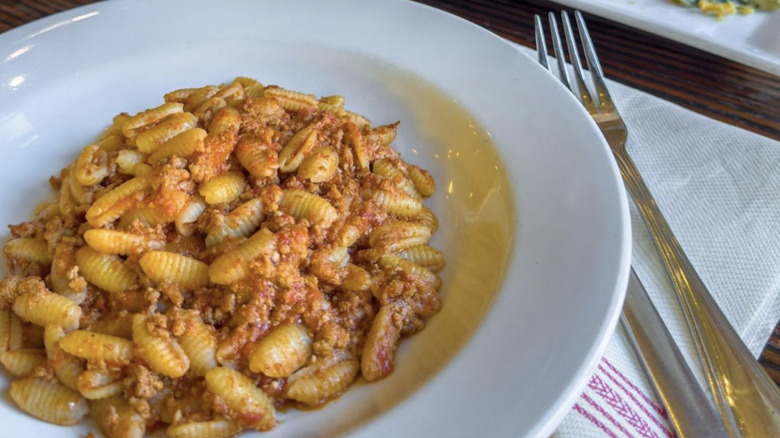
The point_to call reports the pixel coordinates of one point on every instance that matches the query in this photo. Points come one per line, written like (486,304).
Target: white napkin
(719,188)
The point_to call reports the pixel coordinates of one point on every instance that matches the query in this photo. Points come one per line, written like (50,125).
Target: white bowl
(534,219)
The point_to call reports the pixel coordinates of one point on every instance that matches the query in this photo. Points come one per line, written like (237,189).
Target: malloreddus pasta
(233,250)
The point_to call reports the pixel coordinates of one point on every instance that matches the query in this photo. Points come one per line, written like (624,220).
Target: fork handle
(747,400)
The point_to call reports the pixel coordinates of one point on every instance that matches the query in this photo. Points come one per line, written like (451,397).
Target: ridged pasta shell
(116,418)
(226,119)
(347,236)
(112,142)
(43,307)
(424,255)
(143,214)
(241,222)
(355,140)
(120,242)
(397,203)
(207,109)
(189,214)
(68,204)
(222,428)
(181,95)
(358,120)
(46,211)
(231,266)
(81,194)
(281,352)
(422,179)
(240,394)
(111,205)
(316,384)
(24,361)
(97,348)
(162,353)
(259,159)
(11,331)
(149,140)
(91,166)
(66,367)
(105,271)
(398,235)
(199,342)
(383,135)
(428,218)
(48,400)
(304,205)
(379,350)
(388,170)
(254,91)
(96,384)
(132,162)
(246,82)
(170,267)
(335,101)
(296,149)
(28,248)
(319,166)
(182,145)
(273,91)
(231,92)
(224,188)
(199,96)
(291,100)
(391,261)
(150,117)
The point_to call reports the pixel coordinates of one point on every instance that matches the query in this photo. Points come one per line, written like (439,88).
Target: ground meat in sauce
(307,275)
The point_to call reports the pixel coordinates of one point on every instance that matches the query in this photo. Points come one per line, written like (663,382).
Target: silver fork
(747,400)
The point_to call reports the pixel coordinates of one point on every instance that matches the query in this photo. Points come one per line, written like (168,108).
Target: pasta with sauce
(235,249)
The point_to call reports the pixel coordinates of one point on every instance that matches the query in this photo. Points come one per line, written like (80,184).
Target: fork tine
(560,57)
(541,45)
(587,43)
(574,54)
(594,66)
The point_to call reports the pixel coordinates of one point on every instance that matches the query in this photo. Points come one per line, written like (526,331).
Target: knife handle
(691,411)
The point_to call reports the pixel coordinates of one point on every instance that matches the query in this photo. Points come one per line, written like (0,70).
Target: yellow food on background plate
(722,8)
(232,250)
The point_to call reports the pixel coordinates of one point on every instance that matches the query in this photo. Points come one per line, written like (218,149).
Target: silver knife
(691,410)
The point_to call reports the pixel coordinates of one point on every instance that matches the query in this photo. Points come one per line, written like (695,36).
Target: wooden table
(705,83)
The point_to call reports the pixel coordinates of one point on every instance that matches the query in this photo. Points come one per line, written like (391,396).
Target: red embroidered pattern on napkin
(616,405)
